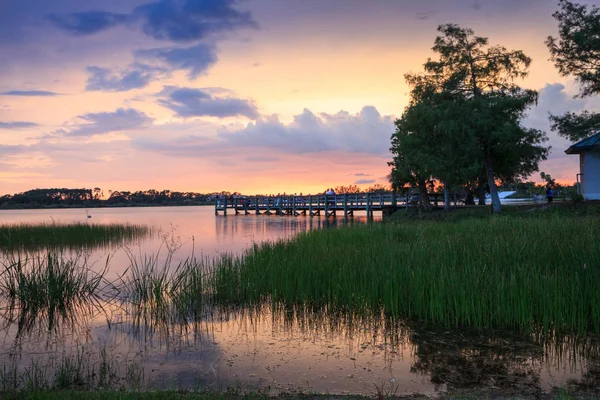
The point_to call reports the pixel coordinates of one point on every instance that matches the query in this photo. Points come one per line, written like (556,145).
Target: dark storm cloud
(195,59)
(173,20)
(29,93)
(190,102)
(17,125)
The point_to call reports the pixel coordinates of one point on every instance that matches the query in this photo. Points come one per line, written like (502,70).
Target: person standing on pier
(330,192)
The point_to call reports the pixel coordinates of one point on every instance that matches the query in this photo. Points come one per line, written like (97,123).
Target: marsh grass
(85,369)
(539,272)
(157,290)
(28,236)
(51,289)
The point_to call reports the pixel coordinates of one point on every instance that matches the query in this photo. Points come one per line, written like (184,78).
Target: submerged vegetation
(77,235)
(49,290)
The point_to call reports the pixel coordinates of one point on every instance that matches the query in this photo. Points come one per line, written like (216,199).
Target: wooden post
(346,205)
(294,207)
(368,206)
(257,209)
(224,205)
(310,206)
(280,205)
(268,212)
(326,205)
(334,205)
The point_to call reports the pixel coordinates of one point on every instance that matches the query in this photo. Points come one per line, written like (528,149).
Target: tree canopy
(465,116)
(576,52)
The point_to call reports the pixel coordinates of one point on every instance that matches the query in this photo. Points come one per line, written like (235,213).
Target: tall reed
(46,287)
(538,272)
(160,291)
(77,235)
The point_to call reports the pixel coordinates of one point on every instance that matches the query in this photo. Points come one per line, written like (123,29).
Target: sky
(255,96)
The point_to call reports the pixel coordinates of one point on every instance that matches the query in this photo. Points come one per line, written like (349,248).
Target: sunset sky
(256,96)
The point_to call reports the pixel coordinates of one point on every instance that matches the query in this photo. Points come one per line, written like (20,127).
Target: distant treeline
(63,197)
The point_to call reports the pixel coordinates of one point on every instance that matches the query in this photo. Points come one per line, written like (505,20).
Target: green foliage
(465,116)
(577,198)
(576,52)
(549,180)
(64,197)
(468,65)
(576,127)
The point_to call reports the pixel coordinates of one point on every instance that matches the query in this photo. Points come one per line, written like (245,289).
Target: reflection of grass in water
(34,236)
(509,272)
(50,288)
(161,292)
(86,369)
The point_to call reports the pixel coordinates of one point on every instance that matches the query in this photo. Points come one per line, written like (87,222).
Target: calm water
(271,348)
(191,230)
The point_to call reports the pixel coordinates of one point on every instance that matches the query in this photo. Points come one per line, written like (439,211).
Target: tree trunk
(470,198)
(446,197)
(424,203)
(489,168)
(481,188)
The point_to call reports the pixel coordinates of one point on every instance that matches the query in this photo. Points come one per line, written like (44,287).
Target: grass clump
(158,291)
(535,272)
(54,235)
(50,288)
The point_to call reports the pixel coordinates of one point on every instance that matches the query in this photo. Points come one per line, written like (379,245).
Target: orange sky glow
(255,96)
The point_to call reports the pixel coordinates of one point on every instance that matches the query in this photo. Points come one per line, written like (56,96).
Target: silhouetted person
(549,194)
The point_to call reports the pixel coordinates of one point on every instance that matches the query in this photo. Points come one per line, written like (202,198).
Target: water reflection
(256,227)
(188,343)
(283,348)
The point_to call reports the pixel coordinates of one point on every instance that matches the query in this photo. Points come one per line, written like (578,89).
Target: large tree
(465,115)
(485,76)
(576,52)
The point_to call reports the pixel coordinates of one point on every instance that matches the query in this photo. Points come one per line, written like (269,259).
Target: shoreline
(96,206)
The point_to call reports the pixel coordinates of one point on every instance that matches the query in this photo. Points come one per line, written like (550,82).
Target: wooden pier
(322,205)
(314,205)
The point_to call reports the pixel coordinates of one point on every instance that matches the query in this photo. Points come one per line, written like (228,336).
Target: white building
(589,166)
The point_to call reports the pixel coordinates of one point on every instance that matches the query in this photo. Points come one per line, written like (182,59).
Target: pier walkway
(316,205)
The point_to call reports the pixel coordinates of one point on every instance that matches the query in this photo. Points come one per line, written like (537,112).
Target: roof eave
(579,150)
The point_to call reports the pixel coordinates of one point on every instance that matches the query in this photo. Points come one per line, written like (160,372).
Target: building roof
(585,145)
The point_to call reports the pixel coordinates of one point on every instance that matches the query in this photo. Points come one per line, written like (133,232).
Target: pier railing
(328,205)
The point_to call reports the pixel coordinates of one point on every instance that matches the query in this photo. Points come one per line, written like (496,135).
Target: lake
(267,348)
